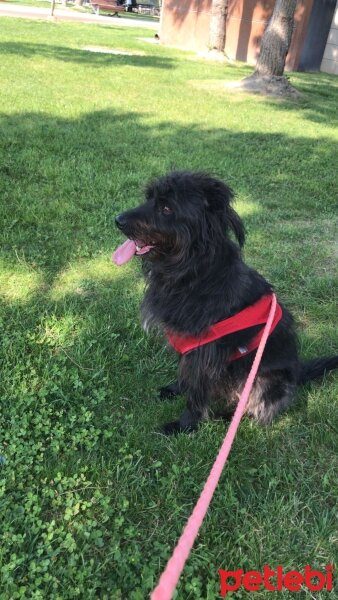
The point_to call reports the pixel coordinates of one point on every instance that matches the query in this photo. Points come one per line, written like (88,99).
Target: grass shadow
(317,100)
(75,55)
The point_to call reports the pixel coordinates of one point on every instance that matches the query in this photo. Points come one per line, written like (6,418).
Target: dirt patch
(214,55)
(102,50)
(152,40)
(275,89)
(219,86)
(210,85)
(279,87)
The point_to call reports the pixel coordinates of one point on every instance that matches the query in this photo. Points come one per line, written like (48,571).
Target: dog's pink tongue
(124,253)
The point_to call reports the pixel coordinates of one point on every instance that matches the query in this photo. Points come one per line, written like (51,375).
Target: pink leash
(175,565)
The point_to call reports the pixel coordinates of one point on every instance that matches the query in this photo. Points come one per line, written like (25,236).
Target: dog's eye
(166,210)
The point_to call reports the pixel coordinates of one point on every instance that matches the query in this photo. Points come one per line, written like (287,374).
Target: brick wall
(185,24)
(330,58)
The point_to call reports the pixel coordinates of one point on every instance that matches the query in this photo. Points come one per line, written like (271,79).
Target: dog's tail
(311,369)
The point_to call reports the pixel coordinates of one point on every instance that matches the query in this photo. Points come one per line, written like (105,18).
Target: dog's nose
(120,221)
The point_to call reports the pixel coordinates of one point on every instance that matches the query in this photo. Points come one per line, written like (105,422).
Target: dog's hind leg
(271,394)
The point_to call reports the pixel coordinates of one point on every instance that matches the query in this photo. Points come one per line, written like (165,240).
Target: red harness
(256,314)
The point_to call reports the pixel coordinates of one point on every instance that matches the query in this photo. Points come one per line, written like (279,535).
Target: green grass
(92,496)
(35,3)
(86,9)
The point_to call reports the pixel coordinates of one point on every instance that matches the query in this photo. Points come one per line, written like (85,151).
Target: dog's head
(184,214)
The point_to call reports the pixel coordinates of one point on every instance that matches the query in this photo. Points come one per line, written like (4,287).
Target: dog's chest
(179,310)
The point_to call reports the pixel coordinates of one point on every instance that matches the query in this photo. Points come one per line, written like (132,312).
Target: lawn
(72,6)
(92,496)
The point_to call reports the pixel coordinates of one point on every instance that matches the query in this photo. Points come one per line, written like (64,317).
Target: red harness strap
(256,314)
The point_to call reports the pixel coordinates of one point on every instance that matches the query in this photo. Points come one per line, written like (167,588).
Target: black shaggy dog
(195,278)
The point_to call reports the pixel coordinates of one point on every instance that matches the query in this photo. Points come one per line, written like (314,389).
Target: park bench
(106,5)
(147,9)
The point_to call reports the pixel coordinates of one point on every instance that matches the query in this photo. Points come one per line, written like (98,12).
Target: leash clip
(242,349)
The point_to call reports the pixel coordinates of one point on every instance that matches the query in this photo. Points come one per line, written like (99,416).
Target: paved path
(32,12)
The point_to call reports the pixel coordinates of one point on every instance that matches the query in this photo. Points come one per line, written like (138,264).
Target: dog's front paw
(176,427)
(169,391)
(172,428)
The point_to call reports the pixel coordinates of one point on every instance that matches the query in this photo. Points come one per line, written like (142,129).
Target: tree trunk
(217,25)
(276,40)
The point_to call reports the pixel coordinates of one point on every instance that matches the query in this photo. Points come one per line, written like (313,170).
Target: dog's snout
(120,221)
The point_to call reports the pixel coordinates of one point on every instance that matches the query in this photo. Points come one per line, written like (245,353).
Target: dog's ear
(218,198)
(236,225)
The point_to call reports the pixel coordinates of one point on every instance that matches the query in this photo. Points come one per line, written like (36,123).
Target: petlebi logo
(276,580)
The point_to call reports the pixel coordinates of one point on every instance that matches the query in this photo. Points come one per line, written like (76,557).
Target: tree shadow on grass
(63,180)
(75,55)
(320,104)
(317,100)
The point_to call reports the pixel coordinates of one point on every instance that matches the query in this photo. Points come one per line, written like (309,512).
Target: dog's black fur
(196,277)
